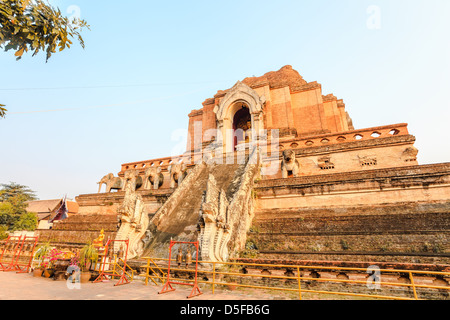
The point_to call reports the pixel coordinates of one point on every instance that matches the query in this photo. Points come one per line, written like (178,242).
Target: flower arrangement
(74,262)
(54,255)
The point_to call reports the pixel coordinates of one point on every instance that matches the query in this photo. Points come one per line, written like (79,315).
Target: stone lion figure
(111,182)
(289,164)
(177,173)
(153,177)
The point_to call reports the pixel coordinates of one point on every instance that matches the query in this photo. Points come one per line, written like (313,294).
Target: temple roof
(46,207)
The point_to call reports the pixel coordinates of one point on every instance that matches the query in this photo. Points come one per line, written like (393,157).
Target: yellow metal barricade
(214,271)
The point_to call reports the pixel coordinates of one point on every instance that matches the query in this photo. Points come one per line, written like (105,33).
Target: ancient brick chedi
(276,166)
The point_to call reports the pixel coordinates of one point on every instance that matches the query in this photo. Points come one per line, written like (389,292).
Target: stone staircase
(210,206)
(79,229)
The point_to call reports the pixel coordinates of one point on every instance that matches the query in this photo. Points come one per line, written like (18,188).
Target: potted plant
(48,272)
(41,251)
(88,255)
(41,255)
(37,272)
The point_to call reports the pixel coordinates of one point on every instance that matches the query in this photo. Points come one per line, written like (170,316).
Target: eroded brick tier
(79,229)
(395,214)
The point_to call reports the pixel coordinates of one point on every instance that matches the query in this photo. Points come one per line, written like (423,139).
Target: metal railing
(213,274)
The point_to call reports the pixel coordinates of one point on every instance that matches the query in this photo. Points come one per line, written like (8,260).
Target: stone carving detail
(111,182)
(133,220)
(367,161)
(410,154)
(178,172)
(117,183)
(240,91)
(289,164)
(224,111)
(325,163)
(225,220)
(214,231)
(153,178)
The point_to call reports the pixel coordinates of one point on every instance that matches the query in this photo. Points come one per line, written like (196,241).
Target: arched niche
(238,97)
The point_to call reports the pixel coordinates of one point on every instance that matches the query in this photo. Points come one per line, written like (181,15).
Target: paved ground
(14,286)
(223,304)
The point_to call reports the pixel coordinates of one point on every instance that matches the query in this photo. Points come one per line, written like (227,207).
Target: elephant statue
(111,182)
(153,177)
(132,176)
(177,174)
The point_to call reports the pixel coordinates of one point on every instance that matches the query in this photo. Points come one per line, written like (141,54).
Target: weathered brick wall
(108,203)
(357,224)
(75,238)
(426,183)
(79,229)
(355,216)
(409,238)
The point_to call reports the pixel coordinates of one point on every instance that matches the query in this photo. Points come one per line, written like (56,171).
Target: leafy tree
(3,232)
(27,221)
(13,205)
(8,215)
(13,190)
(34,26)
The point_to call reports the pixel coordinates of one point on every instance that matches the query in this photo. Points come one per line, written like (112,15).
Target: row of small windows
(358,136)
(144,165)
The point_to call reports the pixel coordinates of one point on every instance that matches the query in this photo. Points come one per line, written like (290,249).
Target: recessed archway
(242,125)
(240,95)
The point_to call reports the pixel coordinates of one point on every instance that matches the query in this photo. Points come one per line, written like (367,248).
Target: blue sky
(147,64)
